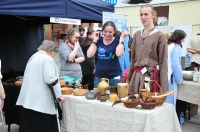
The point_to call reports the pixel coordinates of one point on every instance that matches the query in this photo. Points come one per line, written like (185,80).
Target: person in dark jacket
(81,32)
(88,66)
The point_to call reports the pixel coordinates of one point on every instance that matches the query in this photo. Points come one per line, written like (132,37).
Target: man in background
(194,49)
(82,32)
(187,61)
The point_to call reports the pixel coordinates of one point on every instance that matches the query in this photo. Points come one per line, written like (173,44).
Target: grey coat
(35,94)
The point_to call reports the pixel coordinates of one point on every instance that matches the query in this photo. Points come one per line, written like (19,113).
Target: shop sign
(65,20)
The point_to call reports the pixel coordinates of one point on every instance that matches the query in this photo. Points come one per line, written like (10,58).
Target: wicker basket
(80,92)
(159,100)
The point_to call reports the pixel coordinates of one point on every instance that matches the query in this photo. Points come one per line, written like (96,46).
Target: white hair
(47,45)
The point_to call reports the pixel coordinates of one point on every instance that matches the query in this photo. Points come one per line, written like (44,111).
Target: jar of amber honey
(113,97)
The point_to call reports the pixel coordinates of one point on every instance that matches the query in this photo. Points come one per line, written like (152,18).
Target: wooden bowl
(18,83)
(150,104)
(131,103)
(66,90)
(62,83)
(80,92)
(61,78)
(103,99)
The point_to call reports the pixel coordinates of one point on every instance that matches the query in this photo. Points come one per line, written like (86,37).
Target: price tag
(107,91)
(157,67)
(144,70)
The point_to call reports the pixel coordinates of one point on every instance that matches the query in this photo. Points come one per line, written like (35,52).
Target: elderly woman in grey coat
(38,113)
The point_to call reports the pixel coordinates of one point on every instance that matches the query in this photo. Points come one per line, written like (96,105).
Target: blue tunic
(176,70)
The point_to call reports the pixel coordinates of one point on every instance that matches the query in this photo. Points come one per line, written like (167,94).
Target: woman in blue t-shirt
(107,50)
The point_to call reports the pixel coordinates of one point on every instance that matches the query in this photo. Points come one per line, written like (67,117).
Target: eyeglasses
(77,37)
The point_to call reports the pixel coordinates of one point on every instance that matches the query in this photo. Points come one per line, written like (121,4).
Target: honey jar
(113,97)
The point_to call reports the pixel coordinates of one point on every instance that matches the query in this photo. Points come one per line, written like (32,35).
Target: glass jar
(113,97)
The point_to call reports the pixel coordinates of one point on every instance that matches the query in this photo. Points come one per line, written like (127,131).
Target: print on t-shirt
(103,55)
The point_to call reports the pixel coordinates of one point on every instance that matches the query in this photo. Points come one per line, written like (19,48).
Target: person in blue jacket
(175,75)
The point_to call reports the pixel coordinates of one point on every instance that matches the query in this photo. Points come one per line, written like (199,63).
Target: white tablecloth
(82,115)
(189,91)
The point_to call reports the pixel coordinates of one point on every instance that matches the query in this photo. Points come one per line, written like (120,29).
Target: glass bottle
(199,75)
(195,75)
(182,120)
(187,112)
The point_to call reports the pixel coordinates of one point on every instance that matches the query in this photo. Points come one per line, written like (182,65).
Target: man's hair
(81,29)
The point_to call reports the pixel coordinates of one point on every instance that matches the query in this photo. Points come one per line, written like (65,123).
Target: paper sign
(65,20)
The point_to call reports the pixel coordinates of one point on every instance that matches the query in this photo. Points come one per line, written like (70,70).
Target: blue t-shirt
(107,64)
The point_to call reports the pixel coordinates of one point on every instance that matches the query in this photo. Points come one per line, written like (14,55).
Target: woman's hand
(96,36)
(123,35)
(62,98)
(93,47)
(77,45)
